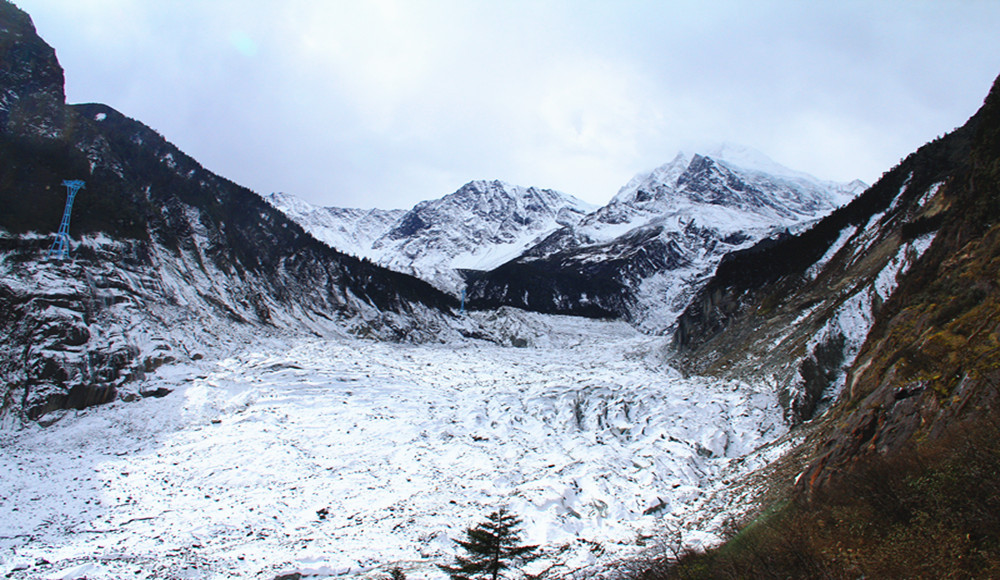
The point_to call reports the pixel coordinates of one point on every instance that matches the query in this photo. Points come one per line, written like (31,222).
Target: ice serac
(479,226)
(642,256)
(165,255)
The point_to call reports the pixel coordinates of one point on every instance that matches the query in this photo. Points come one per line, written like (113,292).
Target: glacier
(338,456)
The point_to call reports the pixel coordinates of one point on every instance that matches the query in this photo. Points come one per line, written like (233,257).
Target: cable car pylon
(60,247)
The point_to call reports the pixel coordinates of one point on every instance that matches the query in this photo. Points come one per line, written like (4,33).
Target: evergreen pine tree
(492,547)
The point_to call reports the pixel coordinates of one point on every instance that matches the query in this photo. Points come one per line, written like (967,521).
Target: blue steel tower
(60,247)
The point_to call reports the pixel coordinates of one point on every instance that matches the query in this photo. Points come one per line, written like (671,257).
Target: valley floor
(344,456)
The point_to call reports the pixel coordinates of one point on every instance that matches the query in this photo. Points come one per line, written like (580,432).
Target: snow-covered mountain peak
(743,159)
(640,256)
(479,226)
(734,156)
(634,190)
(491,212)
(749,159)
(726,176)
(487,198)
(486,188)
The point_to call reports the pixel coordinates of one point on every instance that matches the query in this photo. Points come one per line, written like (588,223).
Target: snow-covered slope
(478,227)
(643,255)
(350,230)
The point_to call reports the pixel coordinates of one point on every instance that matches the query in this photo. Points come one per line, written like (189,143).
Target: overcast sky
(389,102)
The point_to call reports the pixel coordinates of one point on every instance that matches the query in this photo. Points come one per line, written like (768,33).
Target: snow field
(344,457)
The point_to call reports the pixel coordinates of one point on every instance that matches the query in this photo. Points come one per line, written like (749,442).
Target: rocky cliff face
(883,316)
(641,257)
(932,359)
(167,256)
(32,96)
(794,310)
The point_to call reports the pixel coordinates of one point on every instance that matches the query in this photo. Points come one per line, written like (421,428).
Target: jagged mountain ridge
(479,226)
(640,257)
(643,255)
(160,244)
(762,192)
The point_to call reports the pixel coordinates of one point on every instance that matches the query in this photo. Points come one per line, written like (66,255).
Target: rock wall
(794,310)
(932,359)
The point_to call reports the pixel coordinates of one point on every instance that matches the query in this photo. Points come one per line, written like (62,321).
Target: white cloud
(388,102)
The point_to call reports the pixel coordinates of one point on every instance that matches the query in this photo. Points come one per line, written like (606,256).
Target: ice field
(344,457)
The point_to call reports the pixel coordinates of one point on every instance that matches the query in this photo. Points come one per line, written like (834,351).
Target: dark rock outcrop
(597,281)
(31,80)
(932,359)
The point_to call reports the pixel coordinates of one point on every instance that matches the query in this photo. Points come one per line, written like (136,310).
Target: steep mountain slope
(794,310)
(890,307)
(169,251)
(643,255)
(932,359)
(479,226)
